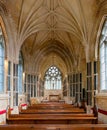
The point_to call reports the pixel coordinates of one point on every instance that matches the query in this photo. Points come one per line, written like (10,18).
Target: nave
(55,116)
(53,63)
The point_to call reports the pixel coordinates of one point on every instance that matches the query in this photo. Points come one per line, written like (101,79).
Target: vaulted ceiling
(59,32)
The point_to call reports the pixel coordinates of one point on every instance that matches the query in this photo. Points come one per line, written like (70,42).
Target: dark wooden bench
(56,116)
(54,127)
(50,106)
(36,115)
(50,119)
(52,111)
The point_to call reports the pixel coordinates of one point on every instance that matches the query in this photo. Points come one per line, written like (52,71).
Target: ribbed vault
(64,29)
(51,52)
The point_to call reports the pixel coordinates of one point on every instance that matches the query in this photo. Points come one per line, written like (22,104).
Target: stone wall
(3,106)
(101,100)
(4,101)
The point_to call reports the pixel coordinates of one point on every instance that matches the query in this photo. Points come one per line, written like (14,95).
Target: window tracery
(53,78)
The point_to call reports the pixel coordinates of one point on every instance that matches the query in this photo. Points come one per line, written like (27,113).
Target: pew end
(8,111)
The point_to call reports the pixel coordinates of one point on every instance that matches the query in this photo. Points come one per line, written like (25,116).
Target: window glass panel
(20,74)
(8,83)
(1,88)
(8,76)
(53,78)
(103,58)
(1,61)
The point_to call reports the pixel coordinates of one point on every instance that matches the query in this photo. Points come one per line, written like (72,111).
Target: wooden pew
(53,106)
(54,127)
(56,116)
(50,119)
(36,115)
(52,111)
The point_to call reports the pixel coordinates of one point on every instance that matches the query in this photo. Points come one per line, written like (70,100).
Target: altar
(54,98)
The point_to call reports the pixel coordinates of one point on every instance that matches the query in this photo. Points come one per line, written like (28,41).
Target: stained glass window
(53,78)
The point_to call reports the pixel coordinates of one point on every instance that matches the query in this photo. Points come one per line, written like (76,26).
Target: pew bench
(36,115)
(50,119)
(52,111)
(54,127)
(50,105)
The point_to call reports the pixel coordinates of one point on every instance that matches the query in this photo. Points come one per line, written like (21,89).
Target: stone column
(11,84)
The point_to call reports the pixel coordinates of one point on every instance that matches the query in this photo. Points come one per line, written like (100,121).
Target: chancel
(53,64)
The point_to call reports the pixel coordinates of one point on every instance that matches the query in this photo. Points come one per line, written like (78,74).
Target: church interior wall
(70,51)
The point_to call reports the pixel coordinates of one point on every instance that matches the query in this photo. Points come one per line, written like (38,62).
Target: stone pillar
(5,75)
(11,84)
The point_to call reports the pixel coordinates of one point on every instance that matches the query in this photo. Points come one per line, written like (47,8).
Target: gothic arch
(98,37)
(4,34)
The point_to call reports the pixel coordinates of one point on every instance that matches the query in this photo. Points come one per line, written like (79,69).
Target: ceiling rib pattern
(53,20)
(63,28)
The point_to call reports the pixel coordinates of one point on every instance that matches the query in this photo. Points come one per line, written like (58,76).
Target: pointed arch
(4,35)
(98,37)
(103,56)
(53,78)
(2,57)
